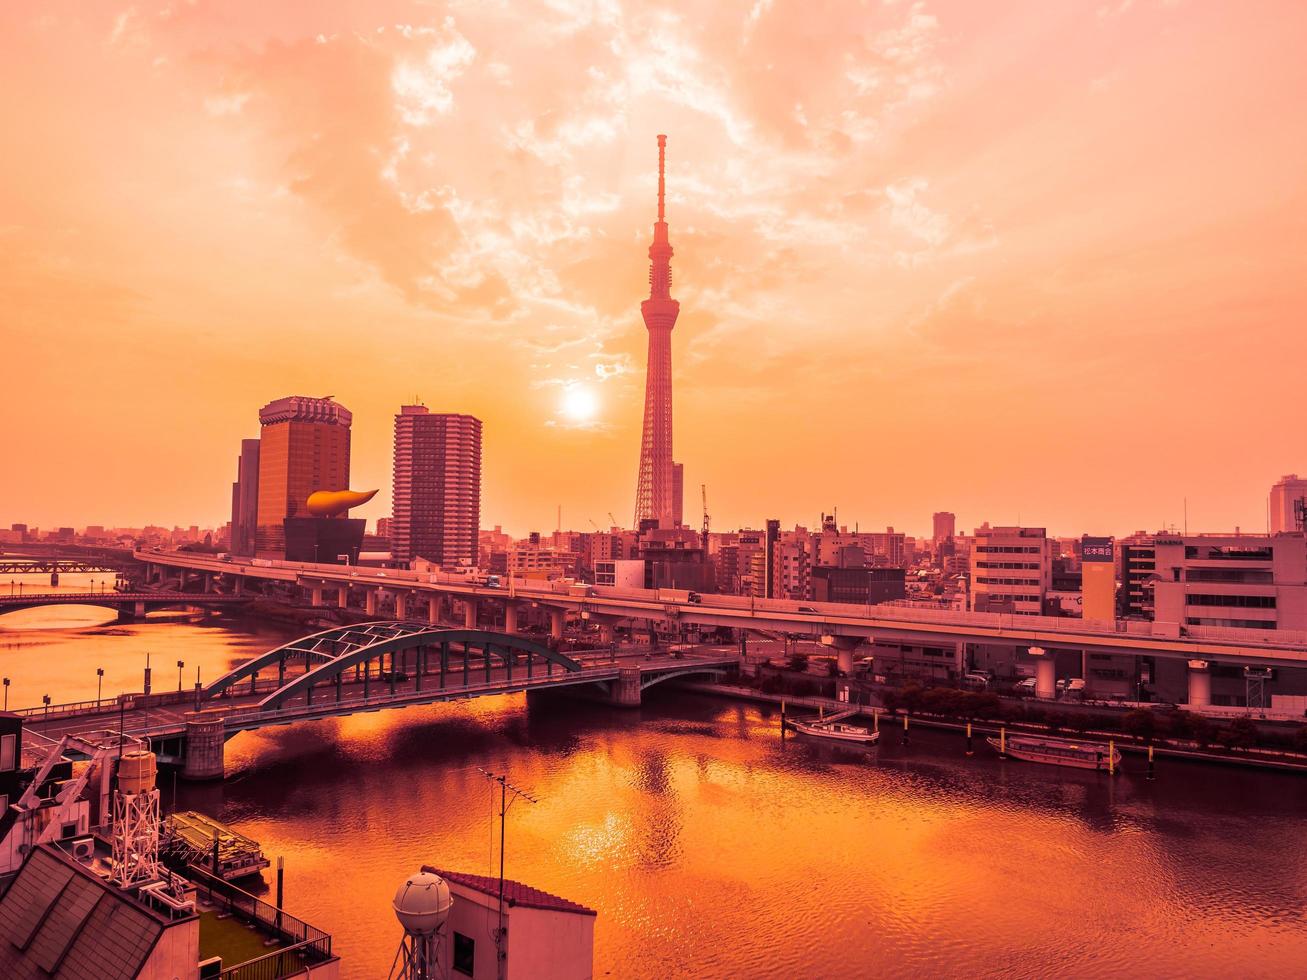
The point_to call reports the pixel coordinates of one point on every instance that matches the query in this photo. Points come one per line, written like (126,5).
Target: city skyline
(887,262)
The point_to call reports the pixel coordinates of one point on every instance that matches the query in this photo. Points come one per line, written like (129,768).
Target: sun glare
(580,404)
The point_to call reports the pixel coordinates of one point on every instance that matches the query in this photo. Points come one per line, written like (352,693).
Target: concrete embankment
(1258,758)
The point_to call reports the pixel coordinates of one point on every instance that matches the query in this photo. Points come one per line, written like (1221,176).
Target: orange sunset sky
(1021,260)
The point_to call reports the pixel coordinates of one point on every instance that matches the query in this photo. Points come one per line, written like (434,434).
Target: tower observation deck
(655,496)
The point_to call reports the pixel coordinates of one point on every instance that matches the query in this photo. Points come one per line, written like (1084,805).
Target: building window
(464,954)
(7,749)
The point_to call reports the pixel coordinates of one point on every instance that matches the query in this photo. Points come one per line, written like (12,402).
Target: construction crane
(596,526)
(612,520)
(704,533)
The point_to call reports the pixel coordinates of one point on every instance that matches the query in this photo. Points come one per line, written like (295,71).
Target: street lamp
(6,693)
(99,685)
(180,665)
(45,700)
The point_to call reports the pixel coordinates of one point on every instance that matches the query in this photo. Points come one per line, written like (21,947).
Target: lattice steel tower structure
(655,491)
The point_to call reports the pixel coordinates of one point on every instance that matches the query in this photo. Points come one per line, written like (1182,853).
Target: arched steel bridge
(417,649)
(370,667)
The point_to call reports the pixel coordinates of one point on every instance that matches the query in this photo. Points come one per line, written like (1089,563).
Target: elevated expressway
(841,625)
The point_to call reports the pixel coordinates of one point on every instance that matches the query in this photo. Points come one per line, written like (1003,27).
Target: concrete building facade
(1288,497)
(1011,570)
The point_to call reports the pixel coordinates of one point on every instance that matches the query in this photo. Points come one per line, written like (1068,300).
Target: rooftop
(515,893)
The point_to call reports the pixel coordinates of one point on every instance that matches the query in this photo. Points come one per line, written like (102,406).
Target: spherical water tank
(422,903)
(136,773)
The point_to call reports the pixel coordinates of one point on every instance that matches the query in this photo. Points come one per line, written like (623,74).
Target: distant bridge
(128,604)
(47,566)
(350,669)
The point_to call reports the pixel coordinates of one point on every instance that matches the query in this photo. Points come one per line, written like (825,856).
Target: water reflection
(712,848)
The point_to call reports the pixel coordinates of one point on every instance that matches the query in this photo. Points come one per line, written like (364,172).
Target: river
(712,848)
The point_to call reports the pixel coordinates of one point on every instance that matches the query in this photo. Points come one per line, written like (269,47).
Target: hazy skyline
(1024,261)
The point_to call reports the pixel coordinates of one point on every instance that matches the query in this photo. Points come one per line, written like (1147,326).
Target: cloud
(422,85)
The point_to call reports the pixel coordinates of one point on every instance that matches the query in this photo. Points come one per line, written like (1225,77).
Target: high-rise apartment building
(245,499)
(1011,569)
(1287,500)
(437,489)
(303,448)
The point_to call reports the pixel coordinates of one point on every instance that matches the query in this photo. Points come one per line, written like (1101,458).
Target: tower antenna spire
(662,155)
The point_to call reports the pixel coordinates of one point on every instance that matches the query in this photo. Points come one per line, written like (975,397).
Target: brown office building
(304,447)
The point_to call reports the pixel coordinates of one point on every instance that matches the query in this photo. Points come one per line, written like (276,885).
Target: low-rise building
(546,937)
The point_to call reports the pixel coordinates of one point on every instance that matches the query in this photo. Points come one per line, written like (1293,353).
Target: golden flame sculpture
(333,503)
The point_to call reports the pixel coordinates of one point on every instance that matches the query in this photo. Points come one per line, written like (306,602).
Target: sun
(579,404)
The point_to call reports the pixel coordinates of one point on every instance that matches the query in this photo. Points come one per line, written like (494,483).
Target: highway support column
(1045,673)
(1200,684)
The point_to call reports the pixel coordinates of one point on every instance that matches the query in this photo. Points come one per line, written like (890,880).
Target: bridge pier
(433,610)
(207,582)
(510,617)
(557,619)
(401,605)
(626,689)
(1200,684)
(315,596)
(370,601)
(205,745)
(342,596)
(469,614)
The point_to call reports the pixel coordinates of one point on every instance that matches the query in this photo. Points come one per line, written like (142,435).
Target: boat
(195,840)
(836,731)
(1059,751)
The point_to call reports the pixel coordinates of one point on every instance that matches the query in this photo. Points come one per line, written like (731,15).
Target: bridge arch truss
(390,653)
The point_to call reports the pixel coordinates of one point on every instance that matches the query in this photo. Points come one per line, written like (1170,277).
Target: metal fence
(288,962)
(306,944)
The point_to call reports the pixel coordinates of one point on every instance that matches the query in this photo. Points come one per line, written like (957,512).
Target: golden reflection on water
(711,848)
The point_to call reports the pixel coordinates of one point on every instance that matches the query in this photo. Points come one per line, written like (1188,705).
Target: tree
(1141,723)
(1300,739)
(1242,734)
(799,662)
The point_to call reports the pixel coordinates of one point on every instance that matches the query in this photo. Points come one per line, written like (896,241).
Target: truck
(674,595)
(580,589)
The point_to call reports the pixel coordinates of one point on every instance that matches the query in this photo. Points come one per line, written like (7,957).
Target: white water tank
(422,903)
(136,773)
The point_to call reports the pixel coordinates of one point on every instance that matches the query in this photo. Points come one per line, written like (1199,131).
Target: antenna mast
(505,787)
(704,533)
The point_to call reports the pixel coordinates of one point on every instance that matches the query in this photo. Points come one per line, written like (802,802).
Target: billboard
(1095,549)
